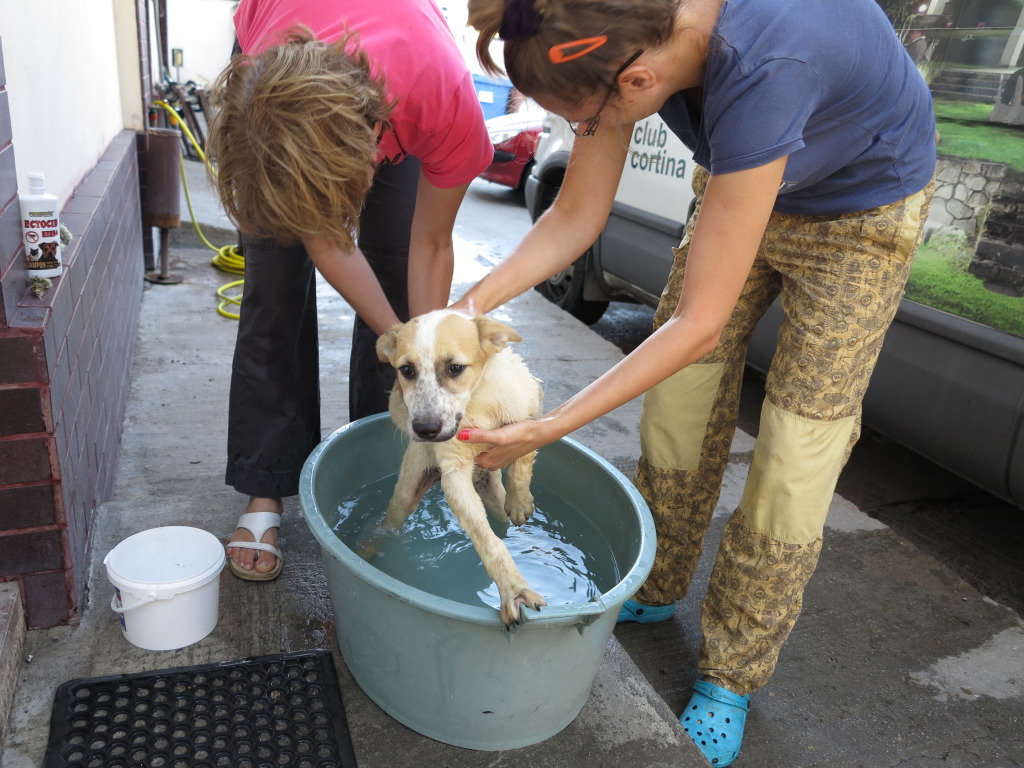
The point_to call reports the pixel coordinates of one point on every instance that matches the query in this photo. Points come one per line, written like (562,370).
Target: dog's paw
(370,544)
(367,549)
(510,605)
(518,507)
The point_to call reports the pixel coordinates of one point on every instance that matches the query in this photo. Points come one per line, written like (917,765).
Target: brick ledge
(12,646)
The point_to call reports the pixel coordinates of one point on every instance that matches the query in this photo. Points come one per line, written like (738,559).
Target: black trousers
(274,401)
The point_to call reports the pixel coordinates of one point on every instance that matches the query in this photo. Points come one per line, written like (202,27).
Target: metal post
(163,194)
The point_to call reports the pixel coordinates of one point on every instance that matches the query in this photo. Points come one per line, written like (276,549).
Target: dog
(455,372)
(49,250)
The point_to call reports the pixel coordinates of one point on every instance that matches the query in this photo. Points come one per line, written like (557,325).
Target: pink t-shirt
(438,118)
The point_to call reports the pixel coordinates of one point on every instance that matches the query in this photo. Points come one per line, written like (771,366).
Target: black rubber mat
(281,711)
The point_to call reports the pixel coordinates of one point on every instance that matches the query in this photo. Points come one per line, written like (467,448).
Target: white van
(945,387)
(631,259)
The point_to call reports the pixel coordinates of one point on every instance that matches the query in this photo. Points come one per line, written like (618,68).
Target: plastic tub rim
(568,613)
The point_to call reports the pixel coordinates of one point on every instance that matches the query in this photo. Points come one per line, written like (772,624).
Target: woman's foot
(259,564)
(715,719)
(645,614)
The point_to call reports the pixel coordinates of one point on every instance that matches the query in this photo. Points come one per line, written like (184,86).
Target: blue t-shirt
(826,82)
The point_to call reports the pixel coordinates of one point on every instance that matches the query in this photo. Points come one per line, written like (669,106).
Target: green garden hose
(228,258)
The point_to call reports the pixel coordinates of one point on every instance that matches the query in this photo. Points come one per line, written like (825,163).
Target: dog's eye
(407,371)
(455,369)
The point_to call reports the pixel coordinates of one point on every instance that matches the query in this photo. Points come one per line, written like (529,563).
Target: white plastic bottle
(41,229)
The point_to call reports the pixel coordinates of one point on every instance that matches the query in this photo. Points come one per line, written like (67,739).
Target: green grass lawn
(940,279)
(964,131)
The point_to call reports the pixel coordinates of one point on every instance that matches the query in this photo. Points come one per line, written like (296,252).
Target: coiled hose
(227,258)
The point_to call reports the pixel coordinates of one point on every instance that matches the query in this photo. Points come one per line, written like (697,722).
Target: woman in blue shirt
(816,157)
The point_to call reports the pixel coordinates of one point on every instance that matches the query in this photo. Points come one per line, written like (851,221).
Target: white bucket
(166,590)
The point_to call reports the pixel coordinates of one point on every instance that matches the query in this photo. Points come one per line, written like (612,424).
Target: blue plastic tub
(492,94)
(448,669)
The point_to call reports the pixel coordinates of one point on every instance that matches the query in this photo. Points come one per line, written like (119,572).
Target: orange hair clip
(559,53)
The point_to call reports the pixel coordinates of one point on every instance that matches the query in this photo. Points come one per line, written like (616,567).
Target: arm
(566,230)
(351,276)
(431,259)
(431,255)
(728,231)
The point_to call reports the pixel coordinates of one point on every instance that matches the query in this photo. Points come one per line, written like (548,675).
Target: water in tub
(559,551)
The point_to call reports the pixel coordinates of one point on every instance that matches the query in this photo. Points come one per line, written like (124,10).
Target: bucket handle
(582,616)
(125,608)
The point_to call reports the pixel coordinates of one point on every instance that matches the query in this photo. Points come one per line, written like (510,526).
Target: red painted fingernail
(463,434)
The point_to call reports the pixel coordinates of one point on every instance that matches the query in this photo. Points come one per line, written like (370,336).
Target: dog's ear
(387,344)
(494,335)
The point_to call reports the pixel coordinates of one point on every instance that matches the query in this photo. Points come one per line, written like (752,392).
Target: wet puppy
(456,372)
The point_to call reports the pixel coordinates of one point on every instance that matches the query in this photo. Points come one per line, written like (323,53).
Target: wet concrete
(896,661)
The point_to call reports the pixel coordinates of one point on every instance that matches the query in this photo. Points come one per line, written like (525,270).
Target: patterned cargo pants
(840,280)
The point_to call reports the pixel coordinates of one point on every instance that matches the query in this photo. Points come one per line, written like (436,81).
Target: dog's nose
(427,429)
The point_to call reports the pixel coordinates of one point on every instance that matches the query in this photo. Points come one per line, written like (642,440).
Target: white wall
(457,15)
(63,86)
(204,32)
(126,31)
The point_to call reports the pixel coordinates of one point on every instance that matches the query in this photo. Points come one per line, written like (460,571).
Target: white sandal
(257,523)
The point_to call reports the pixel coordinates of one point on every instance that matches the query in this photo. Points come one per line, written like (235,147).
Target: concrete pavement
(896,661)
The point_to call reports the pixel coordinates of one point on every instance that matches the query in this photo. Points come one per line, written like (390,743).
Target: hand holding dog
(508,443)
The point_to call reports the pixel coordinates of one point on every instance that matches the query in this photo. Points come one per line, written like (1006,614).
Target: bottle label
(42,240)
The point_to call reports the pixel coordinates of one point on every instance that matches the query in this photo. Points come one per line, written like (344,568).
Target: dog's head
(440,357)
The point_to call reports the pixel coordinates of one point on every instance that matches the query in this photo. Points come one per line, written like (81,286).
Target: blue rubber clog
(645,614)
(714,719)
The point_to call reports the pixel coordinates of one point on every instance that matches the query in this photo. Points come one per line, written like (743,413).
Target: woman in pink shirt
(345,137)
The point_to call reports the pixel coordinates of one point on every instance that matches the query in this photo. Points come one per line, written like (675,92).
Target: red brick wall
(65,360)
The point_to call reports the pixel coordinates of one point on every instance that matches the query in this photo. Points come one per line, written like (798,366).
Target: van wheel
(566,290)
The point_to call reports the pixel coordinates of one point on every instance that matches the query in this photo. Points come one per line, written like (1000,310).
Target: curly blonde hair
(294,138)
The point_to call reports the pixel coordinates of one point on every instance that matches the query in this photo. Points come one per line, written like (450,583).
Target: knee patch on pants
(793,474)
(674,416)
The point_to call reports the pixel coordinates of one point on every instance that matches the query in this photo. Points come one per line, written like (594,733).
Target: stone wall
(963,192)
(999,255)
(985,201)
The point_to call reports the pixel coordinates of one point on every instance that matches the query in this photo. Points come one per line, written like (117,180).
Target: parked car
(945,387)
(515,138)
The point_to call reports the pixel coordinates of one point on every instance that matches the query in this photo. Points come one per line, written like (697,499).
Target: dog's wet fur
(456,372)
